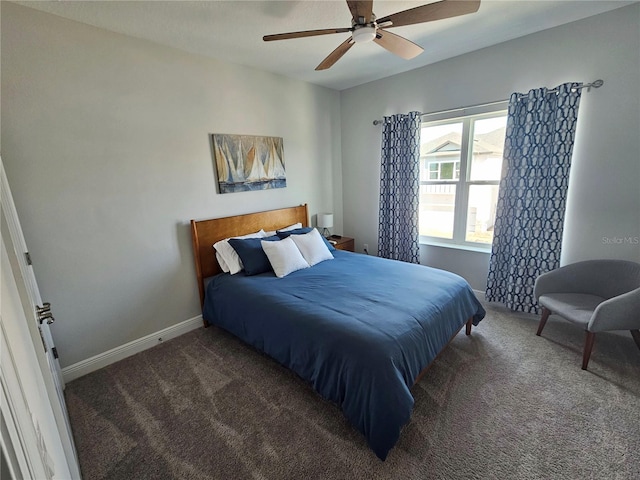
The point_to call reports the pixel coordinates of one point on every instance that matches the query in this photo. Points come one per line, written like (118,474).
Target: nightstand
(343,243)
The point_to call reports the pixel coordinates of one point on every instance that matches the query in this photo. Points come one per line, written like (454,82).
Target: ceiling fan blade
(336,54)
(306,33)
(432,11)
(399,45)
(362,9)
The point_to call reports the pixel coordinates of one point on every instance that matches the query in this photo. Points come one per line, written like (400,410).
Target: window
(460,167)
(439,170)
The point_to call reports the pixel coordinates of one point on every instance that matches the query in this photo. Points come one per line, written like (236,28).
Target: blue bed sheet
(358,328)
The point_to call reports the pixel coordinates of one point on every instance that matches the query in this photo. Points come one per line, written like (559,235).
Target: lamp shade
(325,220)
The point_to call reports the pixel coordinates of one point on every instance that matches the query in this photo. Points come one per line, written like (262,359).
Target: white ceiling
(232,31)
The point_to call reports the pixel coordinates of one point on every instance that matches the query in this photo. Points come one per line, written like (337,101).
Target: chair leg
(543,320)
(636,336)
(588,346)
(469,324)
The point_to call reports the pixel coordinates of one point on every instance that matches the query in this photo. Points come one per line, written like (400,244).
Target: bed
(360,329)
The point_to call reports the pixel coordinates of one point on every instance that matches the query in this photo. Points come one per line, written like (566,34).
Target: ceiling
(232,31)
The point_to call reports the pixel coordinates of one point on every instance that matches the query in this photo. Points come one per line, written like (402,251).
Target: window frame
(468,117)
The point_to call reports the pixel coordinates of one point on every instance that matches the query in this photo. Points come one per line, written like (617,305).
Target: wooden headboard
(205,233)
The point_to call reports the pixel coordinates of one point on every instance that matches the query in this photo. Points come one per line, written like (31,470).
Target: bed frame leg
(636,336)
(468,327)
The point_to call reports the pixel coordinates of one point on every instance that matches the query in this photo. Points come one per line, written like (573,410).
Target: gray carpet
(502,403)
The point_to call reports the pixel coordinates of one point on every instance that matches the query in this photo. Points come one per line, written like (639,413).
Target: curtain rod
(595,84)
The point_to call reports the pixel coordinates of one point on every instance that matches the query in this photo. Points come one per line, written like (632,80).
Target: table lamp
(325,222)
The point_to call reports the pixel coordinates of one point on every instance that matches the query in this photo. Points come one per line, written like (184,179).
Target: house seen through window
(460,167)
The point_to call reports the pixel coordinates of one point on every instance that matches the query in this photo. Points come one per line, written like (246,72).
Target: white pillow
(312,247)
(290,227)
(222,263)
(229,255)
(284,256)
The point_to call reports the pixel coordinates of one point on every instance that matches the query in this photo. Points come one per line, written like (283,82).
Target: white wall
(604,192)
(105,140)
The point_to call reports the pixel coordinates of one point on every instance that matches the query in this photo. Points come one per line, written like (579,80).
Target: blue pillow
(295,231)
(302,231)
(250,251)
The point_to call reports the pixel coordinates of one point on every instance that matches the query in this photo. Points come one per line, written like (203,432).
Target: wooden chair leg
(636,336)
(543,320)
(469,324)
(588,346)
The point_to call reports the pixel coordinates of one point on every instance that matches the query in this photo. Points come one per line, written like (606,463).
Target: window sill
(455,246)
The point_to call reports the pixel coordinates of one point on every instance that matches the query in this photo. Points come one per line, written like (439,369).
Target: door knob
(44,313)
(46,306)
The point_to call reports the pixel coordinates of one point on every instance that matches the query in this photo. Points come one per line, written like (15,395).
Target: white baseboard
(479,294)
(123,351)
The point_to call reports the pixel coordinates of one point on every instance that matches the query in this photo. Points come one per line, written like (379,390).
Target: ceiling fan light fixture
(366,27)
(364,34)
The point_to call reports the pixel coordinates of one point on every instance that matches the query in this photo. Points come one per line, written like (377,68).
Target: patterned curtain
(533,191)
(400,188)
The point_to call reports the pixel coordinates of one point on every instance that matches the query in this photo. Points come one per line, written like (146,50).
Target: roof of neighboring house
(489,142)
(494,137)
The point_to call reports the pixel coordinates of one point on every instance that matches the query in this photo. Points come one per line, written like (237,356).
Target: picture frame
(248,162)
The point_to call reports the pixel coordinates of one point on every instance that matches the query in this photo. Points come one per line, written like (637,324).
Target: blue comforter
(358,328)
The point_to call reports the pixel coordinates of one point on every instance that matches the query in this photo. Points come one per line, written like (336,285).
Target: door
(32,321)
(29,279)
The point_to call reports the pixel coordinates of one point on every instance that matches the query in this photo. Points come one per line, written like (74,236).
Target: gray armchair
(597,295)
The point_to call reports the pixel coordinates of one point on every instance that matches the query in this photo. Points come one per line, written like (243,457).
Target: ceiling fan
(365,27)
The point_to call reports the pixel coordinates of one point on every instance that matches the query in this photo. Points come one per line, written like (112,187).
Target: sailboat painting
(245,162)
